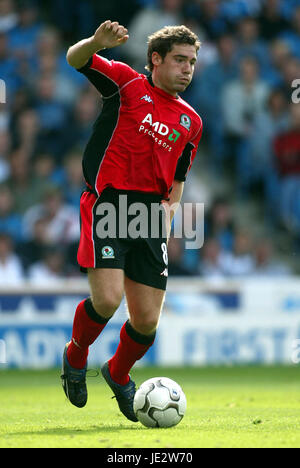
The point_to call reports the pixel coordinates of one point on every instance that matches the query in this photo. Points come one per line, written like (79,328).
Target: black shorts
(109,235)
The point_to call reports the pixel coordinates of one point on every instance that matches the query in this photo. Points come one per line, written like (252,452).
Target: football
(159,402)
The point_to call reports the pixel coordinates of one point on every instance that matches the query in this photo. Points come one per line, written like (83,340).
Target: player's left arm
(183,167)
(172,203)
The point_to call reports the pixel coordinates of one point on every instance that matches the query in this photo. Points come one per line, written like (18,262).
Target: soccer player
(142,147)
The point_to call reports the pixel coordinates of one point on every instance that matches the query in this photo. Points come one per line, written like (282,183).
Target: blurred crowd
(229,250)
(244,89)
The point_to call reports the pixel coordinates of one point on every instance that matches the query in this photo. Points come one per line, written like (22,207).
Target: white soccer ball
(159,402)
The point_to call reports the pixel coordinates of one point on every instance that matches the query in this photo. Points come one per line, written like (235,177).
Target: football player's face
(175,72)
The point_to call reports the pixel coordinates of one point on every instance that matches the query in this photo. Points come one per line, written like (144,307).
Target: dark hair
(162,41)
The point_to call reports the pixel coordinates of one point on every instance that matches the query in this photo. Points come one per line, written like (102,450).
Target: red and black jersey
(144,137)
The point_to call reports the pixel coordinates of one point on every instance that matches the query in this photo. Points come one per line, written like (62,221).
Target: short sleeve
(108,76)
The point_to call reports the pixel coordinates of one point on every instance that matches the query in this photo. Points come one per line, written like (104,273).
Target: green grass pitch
(227,407)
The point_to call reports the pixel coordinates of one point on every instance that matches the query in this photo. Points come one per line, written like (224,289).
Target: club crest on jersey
(185,121)
(147,98)
(108,252)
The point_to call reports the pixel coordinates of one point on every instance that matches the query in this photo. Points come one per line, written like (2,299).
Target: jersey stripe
(100,140)
(112,135)
(86,249)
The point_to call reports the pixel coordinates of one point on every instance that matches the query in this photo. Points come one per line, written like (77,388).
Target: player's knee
(145,326)
(106,304)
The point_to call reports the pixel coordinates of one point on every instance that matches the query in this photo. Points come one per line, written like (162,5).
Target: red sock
(87,326)
(132,346)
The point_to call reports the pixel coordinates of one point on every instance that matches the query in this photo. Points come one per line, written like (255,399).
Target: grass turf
(227,407)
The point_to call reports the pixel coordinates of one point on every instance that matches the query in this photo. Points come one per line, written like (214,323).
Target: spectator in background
(269,123)
(23,99)
(287,163)
(206,94)
(210,264)
(23,38)
(175,258)
(288,7)
(220,224)
(50,269)
(279,54)
(292,35)
(63,223)
(250,42)
(44,167)
(49,44)
(65,90)
(26,131)
(27,190)
(242,100)
(81,119)
(144,23)
(240,262)
(210,16)
(272,120)
(271,21)
(51,61)
(10,222)
(68,176)
(31,251)
(73,182)
(49,41)
(75,19)
(8,16)
(5,145)
(287,146)
(52,115)
(265,263)
(290,71)
(11,270)
(120,11)
(235,10)
(9,69)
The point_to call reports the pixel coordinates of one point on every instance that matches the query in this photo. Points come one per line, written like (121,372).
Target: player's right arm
(108,35)
(108,76)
